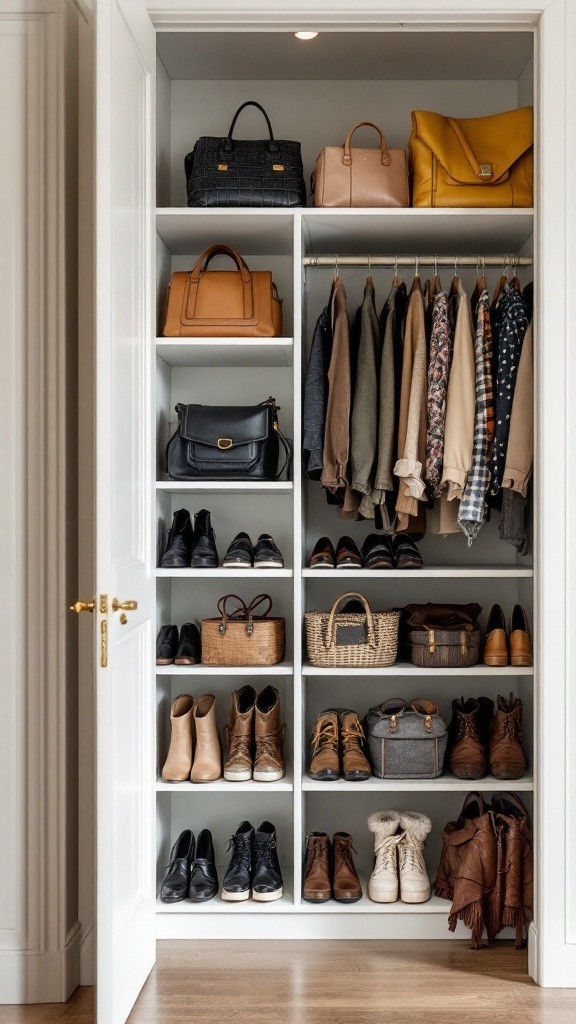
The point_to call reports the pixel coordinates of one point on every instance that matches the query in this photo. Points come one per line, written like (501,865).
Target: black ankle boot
(188,645)
(266,874)
(203,877)
(166,645)
(178,554)
(238,878)
(204,554)
(177,877)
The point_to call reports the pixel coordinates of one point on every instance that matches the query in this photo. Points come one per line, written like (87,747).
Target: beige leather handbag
(237,303)
(361,177)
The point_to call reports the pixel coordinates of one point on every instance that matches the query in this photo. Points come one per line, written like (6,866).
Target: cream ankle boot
(383,882)
(207,765)
(179,760)
(414,881)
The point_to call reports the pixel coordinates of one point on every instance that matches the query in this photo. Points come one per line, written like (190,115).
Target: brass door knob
(123,606)
(82,606)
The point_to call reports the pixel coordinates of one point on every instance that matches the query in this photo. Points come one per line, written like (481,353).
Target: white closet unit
(365,65)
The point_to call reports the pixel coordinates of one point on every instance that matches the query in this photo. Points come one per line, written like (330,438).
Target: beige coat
(412,419)
(460,404)
(519,453)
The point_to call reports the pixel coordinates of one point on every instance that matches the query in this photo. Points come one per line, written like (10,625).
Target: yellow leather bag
(473,161)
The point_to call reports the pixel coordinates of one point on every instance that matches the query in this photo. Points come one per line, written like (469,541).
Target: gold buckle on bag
(224,443)
(486,171)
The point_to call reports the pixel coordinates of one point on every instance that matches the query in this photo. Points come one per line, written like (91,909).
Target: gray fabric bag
(407,741)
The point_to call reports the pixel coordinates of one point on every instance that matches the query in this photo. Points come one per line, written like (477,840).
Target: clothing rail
(422,261)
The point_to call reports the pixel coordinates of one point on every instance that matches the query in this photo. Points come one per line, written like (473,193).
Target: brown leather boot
(269,737)
(238,733)
(467,743)
(355,765)
(317,887)
(179,760)
(506,753)
(325,763)
(496,640)
(520,648)
(207,765)
(346,884)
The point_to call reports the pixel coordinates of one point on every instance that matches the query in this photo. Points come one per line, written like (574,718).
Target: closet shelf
(219,352)
(224,486)
(404,669)
(220,906)
(251,231)
(225,574)
(429,572)
(445,784)
(286,668)
(285,785)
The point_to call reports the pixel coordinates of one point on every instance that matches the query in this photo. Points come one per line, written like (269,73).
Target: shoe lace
(385,852)
(467,728)
(325,735)
(352,734)
(509,728)
(411,850)
(239,747)
(263,851)
(344,852)
(268,744)
(242,850)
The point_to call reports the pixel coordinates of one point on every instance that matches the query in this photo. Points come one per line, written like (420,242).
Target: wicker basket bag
(239,637)
(352,639)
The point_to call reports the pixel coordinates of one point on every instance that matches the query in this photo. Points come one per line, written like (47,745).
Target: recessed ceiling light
(305,35)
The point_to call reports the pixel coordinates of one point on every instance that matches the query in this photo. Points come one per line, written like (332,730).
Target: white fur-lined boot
(414,881)
(383,882)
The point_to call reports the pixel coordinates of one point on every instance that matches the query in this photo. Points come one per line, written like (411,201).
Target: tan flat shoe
(520,646)
(179,760)
(207,765)
(496,641)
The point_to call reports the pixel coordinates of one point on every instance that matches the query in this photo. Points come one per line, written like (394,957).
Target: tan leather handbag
(361,177)
(237,303)
(473,161)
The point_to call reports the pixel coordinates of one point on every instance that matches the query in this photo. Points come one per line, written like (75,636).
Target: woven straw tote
(352,639)
(239,637)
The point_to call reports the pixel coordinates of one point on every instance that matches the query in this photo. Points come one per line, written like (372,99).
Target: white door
(125,68)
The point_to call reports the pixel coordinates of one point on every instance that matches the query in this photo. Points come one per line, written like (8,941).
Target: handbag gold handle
(385,155)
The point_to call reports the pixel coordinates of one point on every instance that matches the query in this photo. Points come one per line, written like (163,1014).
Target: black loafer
(323,555)
(177,877)
(347,554)
(166,645)
(266,554)
(203,876)
(377,552)
(240,554)
(406,554)
(189,651)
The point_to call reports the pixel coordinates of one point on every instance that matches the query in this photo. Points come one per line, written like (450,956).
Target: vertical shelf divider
(298,513)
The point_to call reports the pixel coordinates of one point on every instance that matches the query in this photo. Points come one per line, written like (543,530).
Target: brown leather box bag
(239,303)
(361,177)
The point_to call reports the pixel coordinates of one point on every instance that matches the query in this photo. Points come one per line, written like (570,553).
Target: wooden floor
(329,983)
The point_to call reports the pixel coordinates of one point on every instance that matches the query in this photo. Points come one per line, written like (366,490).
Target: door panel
(125,63)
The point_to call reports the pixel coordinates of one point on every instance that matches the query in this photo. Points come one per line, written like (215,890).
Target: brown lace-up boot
(346,884)
(238,733)
(355,765)
(506,753)
(325,763)
(468,738)
(317,886)
(268,737)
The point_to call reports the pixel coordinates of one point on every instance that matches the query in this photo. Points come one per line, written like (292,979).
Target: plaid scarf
(472,512)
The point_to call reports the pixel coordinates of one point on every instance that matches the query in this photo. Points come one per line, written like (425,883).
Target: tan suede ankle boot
(179,760)
(207,765)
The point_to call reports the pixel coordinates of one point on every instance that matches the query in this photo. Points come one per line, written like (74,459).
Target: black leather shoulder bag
(239,172)
(227,442)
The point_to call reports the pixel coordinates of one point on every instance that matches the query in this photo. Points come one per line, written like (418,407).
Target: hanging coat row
(425,409)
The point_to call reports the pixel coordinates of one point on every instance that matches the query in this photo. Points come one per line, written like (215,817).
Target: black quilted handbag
(237,172)
(227,442)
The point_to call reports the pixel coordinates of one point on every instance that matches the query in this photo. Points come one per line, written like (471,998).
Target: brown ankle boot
(238,733)
(346,884)
(179,760)
(325,763)
(507,757)
(317,887)
(467,744)
(354,763)
(269,737)
(207,765)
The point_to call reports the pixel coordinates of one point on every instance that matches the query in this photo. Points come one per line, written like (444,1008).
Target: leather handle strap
(467,150)
(385,155)
(220,249)
(238,613)
(250,103)
(331,632)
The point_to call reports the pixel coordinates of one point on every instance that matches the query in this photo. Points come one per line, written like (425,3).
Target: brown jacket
(337,429)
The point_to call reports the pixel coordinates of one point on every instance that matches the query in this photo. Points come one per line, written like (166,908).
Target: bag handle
(273,146)
(238,613)
(393,709)
(347,158)
(426,709)
(483,172)
(256,602)
(219,249)
(331,632)
(287,464)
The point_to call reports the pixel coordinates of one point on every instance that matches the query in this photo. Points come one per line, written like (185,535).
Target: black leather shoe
(347,554)
(178,554)
(166,645)
(377,552)
(323,555)
(204,553)
(177,878)
(240,554)
(188,651)
(406,554)
(203,877)
(266,875)
(238,878)
(266,554)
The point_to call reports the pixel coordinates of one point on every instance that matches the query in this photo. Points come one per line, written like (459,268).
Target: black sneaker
(266,554)
(204,553)
(177,877)
(166,645)
(178,554)
(240,554)
(203,876)
(188,651)
(266,875)
(238,878)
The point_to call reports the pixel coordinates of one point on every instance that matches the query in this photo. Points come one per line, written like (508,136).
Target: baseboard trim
(533,962)
(87,957)
(33,976)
